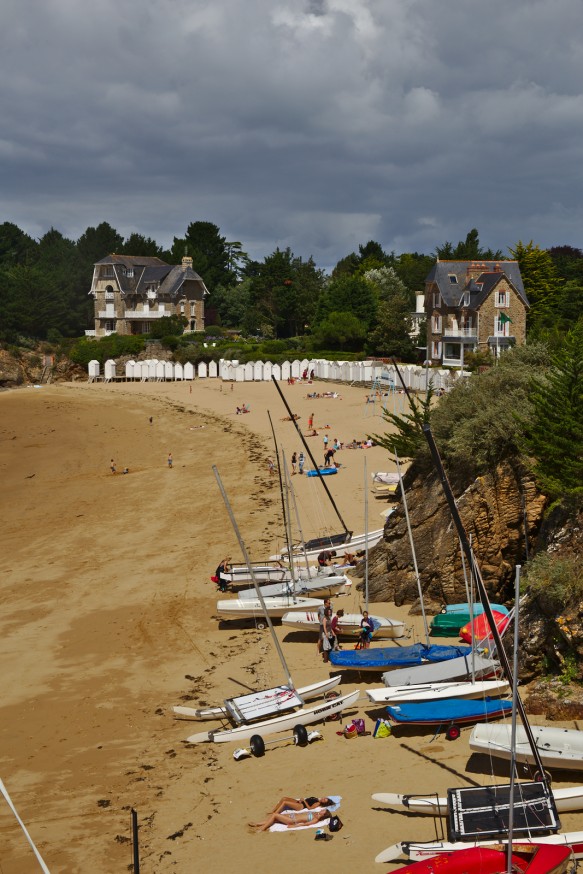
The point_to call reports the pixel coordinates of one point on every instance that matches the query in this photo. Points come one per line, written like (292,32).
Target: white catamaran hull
(324,585)
(253,609)
(417,852)
(359,541)
(306,692)
(348,625)
(437,691)
(557,747)
(566,800)
(441,672)
(286,722)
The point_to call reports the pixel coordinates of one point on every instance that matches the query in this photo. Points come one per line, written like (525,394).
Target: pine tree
(408,441)
(541,283)
(554,437)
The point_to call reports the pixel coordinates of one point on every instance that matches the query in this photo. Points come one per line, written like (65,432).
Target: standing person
(329,457)
(169,459)
(321,610)
(328,639)
(366,630)
(223,568)
(294,463)
(336,444)
(335,621)
(271,466)
(301,462)
(112,466)
(325,442)
(311,422)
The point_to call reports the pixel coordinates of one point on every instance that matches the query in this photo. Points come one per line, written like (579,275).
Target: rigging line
(252,573)
(278,470)
(312,459)
(501,652)
(413,552)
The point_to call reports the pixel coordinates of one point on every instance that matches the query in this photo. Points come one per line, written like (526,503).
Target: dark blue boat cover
(387,656)
(452,710)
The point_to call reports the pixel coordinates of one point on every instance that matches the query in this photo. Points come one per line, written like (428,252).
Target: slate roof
(480,288)
(170,278)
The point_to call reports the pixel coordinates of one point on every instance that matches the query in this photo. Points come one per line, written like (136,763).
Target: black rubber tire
(261,624)
(300,735)
(453,732)
(257,745)
(548,777)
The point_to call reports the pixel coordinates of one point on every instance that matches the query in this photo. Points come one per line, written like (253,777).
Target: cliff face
(501,511)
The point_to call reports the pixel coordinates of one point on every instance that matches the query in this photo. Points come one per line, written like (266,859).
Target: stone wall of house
(489,311)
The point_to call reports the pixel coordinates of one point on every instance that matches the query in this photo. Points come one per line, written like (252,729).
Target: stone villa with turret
(131,292)
(473,306)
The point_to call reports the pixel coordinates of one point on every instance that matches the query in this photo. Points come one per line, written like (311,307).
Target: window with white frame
(436,349)
(436,299)
(110,326)
(182,307)
(436,324)
(502,325)
(452,278)
(502,298)
(192,308)
(466,299)
(130,272)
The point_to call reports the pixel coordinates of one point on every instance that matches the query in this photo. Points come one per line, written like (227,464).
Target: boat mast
(312,459)
(509,867)
(278,472)
(417,577)
(253,577)
(501,652)
(365,537)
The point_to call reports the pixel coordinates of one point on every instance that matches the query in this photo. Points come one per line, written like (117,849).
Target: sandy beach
(108,619)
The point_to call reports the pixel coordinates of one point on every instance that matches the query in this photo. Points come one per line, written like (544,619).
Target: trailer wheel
(261,624)
(257,745)
(453,732)
(329,696)
(538,776)
(300,735)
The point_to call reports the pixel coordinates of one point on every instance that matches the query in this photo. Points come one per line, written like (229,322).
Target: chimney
(186,262)
(473,270)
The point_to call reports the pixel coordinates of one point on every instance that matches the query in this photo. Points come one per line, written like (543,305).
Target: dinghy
(222,710)
(557,747)
(379,658)
(348,625)
(566,800)
(448,624)
(436,692)
(321,586)
(482,628)
(524,858)
(461,668)
(339,542)
(440,855)
(275,607)
(457,711)
(285,722)
(436,850)
(322,471)
(477,609)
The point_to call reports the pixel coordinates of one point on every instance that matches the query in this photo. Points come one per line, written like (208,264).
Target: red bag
(214,579)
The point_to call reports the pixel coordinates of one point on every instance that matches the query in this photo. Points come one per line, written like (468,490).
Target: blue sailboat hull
(389,656)
(457,710)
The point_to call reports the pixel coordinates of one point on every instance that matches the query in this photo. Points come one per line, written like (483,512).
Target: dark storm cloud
(317,124)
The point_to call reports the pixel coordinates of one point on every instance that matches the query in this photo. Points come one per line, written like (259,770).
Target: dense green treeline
(364,306)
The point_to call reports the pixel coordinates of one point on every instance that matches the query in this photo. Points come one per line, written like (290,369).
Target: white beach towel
(280,827)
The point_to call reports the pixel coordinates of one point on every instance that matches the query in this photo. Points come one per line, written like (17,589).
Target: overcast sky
(314,124)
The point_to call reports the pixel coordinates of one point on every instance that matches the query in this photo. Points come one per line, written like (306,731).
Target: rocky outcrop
(502,513)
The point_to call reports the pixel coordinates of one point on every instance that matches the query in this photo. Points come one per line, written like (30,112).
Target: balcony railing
(449,331)
(90,333)
(149,314)
(105,315)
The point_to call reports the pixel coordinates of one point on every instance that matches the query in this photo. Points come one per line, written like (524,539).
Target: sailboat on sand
(273,710)
(480,815)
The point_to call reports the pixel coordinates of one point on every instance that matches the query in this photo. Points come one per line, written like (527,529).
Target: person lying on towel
(295,819)
(309,803)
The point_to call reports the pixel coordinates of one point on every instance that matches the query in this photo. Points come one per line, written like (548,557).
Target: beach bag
(335,823)
(382,728)
(350,731)
(359,725)
(214,579)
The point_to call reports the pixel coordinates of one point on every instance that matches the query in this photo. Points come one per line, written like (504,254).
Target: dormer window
(466,299)
(502,298)
(130,272)
(452,278)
